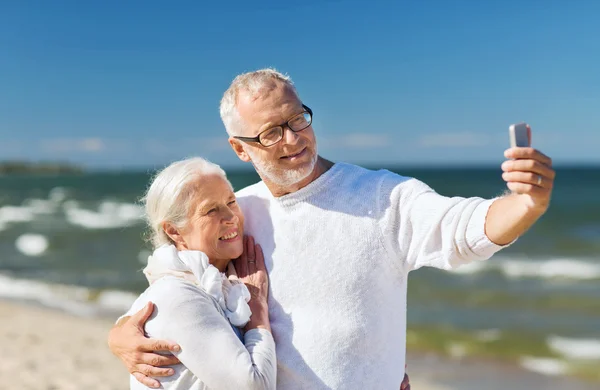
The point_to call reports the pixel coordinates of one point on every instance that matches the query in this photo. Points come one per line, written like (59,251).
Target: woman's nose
(230,216)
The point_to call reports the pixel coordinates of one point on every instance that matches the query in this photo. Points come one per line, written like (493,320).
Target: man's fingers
(405,383)
(528,153)
(158,360)
(140,318)
(529,189)
(528,178)
(529,166)
(150,370)
(152,345)
(143,379)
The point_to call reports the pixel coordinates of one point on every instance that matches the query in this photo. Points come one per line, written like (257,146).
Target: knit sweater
(338,252)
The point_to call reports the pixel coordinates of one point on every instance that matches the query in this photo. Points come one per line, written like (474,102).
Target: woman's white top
(197,306)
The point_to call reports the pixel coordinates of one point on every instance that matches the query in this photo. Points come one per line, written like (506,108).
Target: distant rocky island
(38,168)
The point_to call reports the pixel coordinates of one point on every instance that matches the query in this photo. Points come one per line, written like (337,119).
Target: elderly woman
(197,229)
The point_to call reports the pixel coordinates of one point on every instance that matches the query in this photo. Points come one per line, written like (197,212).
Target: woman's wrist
(259,317)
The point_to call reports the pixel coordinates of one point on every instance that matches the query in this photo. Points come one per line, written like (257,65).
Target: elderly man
(339,242)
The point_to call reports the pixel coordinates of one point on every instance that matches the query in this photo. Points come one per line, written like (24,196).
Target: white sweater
(338,253)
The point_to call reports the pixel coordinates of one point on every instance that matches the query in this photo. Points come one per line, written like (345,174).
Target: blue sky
(112,84)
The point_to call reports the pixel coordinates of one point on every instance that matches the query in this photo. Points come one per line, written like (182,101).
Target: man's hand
(128,342)
(405,385)
(530,175)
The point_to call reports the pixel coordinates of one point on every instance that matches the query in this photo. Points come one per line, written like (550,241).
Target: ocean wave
(32,244)
(31,208)
(9,214)
(559,268)
(76,300)
(546,366)
(580,349)
(110,215)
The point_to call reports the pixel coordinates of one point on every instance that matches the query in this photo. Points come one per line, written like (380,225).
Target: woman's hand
(251,270)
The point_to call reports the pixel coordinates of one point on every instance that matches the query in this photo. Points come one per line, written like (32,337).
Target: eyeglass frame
(283,126)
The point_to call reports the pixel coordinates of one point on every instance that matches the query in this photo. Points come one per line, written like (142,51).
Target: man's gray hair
(171,195)
(251,82)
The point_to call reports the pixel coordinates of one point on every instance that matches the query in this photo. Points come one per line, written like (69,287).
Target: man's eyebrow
(271,124)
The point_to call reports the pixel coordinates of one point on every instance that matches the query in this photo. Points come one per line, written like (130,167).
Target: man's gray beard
(283,177)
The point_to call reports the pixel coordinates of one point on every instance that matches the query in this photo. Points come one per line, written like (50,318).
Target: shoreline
(50,349)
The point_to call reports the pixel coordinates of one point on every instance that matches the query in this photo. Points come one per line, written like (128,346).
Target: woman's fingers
(260,258)
(241,265)
(250,254)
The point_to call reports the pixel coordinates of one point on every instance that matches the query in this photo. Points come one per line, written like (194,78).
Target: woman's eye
(232,202)
(212,211)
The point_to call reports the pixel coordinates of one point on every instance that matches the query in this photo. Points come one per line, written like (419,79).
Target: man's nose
(289,136)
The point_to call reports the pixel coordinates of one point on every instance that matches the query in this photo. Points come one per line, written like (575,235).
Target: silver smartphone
(519,135)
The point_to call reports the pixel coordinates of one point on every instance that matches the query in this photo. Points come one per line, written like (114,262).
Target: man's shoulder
(256,189)
(358,175)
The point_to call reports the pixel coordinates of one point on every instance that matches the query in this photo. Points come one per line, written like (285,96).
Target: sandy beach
(46,349)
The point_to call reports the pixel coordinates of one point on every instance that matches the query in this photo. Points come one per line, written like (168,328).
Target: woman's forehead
(211,186)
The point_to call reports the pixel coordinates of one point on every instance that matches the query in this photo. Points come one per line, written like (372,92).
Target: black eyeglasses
(273,135)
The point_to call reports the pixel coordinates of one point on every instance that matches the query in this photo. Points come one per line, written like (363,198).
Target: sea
(76,243)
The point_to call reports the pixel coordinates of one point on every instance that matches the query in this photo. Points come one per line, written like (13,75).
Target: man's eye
(232,202)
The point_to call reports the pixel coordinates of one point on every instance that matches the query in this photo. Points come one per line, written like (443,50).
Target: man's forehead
(269,103)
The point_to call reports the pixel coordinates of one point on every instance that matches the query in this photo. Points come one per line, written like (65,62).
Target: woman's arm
(209,347)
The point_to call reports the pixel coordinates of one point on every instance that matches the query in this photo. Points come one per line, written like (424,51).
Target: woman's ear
(238,148)
(175,235)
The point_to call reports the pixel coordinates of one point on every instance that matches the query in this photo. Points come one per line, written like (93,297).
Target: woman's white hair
(171,195)
(253,83)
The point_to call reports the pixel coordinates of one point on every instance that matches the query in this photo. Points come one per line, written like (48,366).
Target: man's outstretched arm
(129,343)
(530,177)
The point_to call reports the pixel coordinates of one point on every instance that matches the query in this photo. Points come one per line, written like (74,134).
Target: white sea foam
(115,300)
(57,195)
(558,268)
(110,215)
(40,206)
(546,366)
(68,298)
(32,244)
(10,214)
(80,301)
(30,208)
(471,268)
(457,350)
(584,349)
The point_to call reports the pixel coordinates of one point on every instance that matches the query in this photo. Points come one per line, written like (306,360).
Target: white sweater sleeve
(209,347)
(424,228)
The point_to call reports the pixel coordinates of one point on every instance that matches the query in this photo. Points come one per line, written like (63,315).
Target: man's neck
(320,168)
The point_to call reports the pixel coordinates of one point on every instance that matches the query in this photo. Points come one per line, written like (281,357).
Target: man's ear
(175,235)
(238,148)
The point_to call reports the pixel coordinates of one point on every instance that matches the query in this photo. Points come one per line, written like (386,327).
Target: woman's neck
(219,264)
